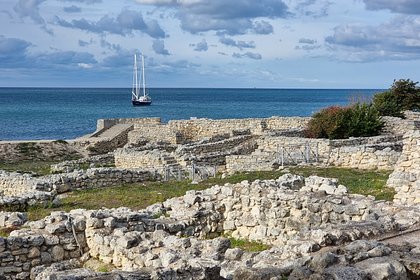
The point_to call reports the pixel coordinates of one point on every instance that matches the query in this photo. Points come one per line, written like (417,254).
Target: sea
(67,113)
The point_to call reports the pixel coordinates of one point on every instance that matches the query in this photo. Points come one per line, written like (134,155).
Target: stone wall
(15,151)
(380,152)
(205,147)
(105,160)
(153,133)
(14,184)
(103,124)
(398,126)
(213,152)
(131,158)
(49,241)
(105,145)
(185,131)
(210,151)
(374,156)
(196,129)
(406,176)
(286,123)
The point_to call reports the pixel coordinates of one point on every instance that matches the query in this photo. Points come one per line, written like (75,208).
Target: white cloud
(125,23)
(239,44)
(396,6)
(201,46)
(250,55)
(397,39)
(85,65)
(230,17)
(159,47)
(30,8)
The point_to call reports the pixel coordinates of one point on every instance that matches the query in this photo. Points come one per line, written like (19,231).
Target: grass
(139,196)
(28,149)
(39,167)
(246,245)
(134,196)
(366,182)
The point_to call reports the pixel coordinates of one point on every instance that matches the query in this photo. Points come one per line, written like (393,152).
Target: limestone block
(383,268)
(329,189)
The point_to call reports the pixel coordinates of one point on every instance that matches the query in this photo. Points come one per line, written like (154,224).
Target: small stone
(34,253)
(57,253)
(323,260)
(233,254)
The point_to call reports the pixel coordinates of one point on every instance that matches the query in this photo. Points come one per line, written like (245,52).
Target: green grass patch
(249,246)
(41,168)
(134,196)
(139,196)
(366,182)
(28,149)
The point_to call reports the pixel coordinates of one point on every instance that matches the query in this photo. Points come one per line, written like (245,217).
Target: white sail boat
(139,97)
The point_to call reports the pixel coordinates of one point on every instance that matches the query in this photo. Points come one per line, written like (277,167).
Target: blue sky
(210,43)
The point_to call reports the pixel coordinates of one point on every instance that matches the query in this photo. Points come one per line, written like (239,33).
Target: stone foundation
(185,131)
(381,152)
(296,216)
(406,176)
(15,184)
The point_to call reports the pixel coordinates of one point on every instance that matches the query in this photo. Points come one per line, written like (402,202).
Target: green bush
(364,120)
(335,122)
(403,95)
(387,104)
(323,124)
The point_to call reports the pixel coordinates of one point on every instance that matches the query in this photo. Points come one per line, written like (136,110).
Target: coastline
(70,113)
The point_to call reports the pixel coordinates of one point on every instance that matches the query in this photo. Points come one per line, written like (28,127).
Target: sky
(210,43)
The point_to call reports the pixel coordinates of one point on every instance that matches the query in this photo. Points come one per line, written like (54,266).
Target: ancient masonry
(406,176)
(313,228)
(180,238)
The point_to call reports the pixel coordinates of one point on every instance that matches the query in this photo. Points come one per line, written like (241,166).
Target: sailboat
(139,97)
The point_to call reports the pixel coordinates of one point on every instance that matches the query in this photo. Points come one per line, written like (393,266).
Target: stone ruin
(313,229)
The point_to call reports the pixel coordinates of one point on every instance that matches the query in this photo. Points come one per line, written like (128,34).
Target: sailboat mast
(137,78)
(135,90)
(142,74)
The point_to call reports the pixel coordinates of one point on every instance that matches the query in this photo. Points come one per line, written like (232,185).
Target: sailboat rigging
(139,96)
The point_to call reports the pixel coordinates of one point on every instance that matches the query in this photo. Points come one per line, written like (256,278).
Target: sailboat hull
(141,103)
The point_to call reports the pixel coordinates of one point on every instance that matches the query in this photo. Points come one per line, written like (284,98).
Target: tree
(404,94)
(407,93)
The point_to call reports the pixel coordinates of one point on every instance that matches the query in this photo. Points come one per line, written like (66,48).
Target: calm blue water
(65,113)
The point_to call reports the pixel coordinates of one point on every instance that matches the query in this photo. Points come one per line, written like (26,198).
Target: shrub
(364,120)
(387,104)
(403,95)
(324,123)
(336,122)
